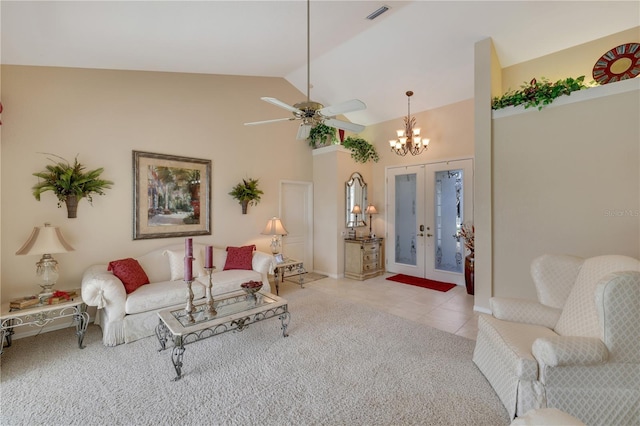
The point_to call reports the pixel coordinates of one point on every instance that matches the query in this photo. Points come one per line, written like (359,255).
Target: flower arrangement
(467,231)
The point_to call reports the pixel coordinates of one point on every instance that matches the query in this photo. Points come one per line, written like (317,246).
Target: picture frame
(279,258)
(171,196)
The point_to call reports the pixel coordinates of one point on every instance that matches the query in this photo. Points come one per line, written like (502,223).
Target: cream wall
(566,180)
(102,116)
(556,172)
(332,168)
(573,62)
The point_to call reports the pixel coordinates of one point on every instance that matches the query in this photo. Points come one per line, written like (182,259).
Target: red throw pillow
(239,257)
(129,272)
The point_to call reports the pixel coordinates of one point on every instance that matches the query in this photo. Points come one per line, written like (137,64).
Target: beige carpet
(342,364)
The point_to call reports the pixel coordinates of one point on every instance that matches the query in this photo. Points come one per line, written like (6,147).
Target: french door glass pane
(448,219)
(406,220)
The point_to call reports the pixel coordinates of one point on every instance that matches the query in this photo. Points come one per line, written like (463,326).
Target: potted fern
(247,192)
(70,182)
(361,150)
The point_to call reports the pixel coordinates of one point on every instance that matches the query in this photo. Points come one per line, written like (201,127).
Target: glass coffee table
(232,312)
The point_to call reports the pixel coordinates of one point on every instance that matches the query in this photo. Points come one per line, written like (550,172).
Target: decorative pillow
(176,263)
(129,272)
(239,257)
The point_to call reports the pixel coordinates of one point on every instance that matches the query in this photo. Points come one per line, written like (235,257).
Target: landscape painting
(172,196)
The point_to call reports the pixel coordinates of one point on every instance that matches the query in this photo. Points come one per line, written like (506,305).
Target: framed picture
(172,196)
(279,258)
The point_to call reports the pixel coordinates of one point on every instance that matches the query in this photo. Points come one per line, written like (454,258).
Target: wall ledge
(623,86)
(328,149)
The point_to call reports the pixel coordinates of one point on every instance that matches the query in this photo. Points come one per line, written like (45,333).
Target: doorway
(296,213)
(426,206)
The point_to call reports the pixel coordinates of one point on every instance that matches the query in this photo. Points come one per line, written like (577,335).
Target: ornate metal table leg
(81,318)
(162,333)
(284,318)
(176,358)
(7,332)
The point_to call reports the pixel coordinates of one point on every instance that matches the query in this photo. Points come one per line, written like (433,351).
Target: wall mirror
(356,194)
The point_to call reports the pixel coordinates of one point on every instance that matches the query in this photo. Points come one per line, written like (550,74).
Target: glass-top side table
(289,265)
(42,314)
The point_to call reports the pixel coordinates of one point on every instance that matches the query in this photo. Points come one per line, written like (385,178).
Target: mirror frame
(355,193)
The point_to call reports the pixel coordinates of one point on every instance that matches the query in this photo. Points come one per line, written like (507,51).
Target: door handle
(421,235)
(429,235)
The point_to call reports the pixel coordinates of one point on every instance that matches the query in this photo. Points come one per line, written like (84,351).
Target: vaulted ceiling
(424,46)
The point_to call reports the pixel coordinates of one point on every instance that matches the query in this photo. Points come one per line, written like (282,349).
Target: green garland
(538,93)
(361,150)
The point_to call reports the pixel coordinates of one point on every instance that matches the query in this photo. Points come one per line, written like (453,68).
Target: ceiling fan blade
(281,104)
(343,107)
(253,123)
(344,125)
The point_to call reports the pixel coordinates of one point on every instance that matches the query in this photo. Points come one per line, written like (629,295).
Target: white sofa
(577,349)
(126,317)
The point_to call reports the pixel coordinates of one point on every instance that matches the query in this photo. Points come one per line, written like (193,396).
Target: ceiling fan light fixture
(313,113)
(373,15)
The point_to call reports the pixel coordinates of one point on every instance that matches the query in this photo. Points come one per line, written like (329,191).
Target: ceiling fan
(312,113)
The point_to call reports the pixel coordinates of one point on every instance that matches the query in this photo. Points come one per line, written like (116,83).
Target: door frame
(308,260)
(388,224)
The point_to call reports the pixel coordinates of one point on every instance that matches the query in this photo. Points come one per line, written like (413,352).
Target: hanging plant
(361,150)
(539,93)
(247,192)
(321,135)
(70,183)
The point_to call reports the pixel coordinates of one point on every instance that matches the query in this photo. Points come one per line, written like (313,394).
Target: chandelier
(409,140)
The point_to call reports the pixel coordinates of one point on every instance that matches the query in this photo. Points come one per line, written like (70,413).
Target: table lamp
(370,210)
(46,240)
(276,229)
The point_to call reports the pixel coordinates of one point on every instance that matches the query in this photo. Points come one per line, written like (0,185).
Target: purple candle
(188,247)
(208,259)
(188,268)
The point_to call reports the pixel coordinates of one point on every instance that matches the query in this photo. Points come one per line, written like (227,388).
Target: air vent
(373,15)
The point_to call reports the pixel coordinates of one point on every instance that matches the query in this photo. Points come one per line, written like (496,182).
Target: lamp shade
(356,209)
(45,239)
(371,209)
(274,227)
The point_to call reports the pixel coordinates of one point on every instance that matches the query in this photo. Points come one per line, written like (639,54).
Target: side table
(41,315)
(289,265)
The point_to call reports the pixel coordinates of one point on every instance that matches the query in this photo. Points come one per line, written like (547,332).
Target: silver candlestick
(209,293)
(189,308)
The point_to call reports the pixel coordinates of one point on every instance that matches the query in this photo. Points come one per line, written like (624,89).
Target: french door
(427,205)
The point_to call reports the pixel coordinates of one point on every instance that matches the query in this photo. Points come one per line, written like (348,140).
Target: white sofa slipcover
(126,317)
(577,349)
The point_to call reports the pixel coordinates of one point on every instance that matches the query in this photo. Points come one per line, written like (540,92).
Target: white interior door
(405,214)
(296,213)
(449,204)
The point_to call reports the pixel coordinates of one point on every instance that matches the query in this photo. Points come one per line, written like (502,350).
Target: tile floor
(450,311)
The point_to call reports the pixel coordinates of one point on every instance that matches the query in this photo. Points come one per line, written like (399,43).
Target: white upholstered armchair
(577,349)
